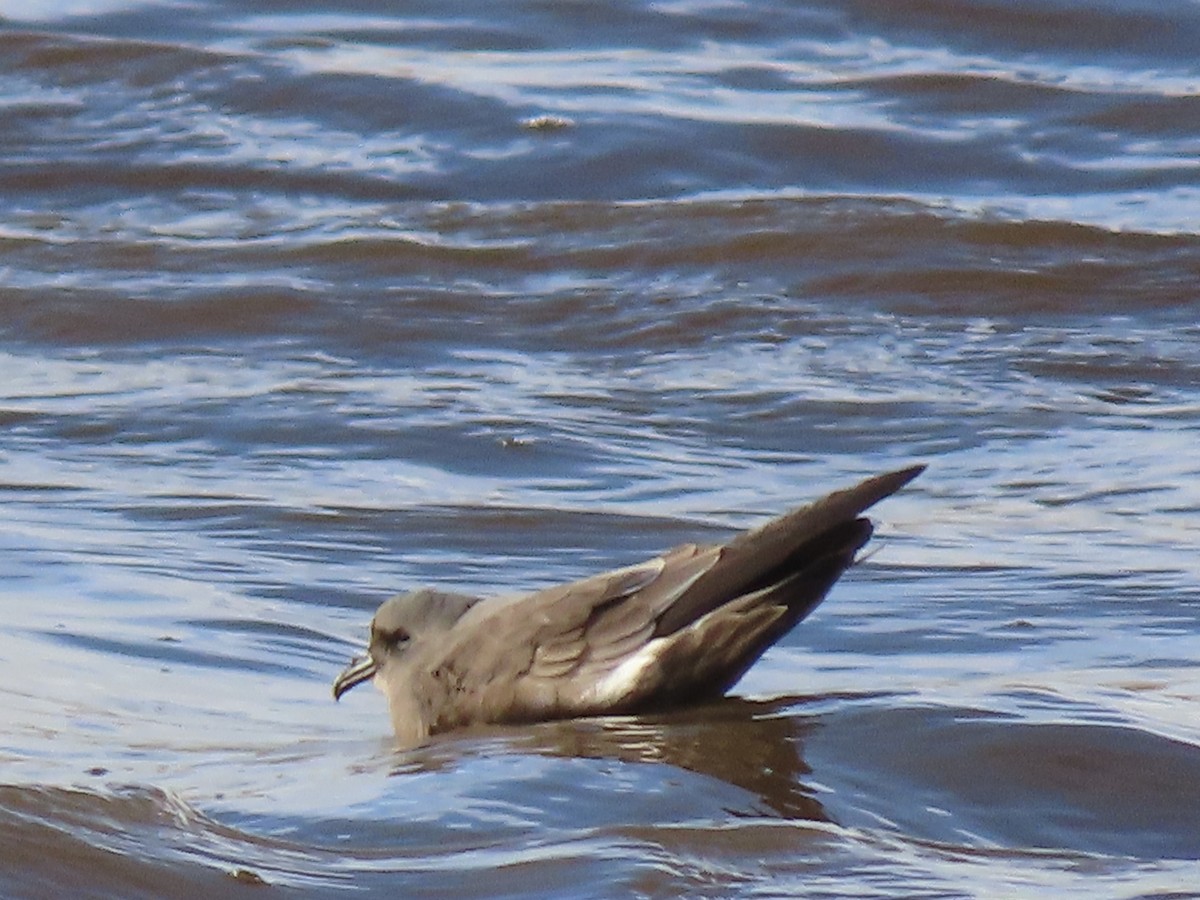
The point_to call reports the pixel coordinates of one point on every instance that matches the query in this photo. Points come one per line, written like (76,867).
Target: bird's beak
(361,668)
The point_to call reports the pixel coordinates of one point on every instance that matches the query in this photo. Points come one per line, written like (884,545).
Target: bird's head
(400,624)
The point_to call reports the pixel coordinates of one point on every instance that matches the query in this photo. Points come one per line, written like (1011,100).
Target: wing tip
(867,493)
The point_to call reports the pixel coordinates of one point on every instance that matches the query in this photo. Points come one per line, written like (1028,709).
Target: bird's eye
(393,638)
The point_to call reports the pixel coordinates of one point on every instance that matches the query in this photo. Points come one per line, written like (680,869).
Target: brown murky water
(304,304)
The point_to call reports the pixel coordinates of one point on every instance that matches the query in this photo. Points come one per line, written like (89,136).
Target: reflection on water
(754,746)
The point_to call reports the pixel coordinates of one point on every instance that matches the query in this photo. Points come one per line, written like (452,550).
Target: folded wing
(682,626)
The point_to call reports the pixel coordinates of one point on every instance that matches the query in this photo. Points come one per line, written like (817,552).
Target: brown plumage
(681,627)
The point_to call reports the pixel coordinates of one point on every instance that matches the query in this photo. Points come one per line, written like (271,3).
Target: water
(304,304)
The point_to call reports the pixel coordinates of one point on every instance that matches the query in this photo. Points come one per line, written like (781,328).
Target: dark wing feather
(759,557)
(706,659)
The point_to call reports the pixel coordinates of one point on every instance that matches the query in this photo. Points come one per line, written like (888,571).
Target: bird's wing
(534,657)
(561,651)
(785,544)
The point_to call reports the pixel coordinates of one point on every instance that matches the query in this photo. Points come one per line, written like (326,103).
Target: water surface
(304,304)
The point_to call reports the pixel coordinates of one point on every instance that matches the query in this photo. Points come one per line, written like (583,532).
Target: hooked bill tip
(361,668)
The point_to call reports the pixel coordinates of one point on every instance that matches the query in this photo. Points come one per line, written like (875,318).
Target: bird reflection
(756,746)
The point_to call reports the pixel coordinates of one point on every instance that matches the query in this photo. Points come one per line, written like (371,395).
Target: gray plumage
(681,627)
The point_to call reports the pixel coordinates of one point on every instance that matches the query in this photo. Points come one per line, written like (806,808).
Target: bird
(680,628)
